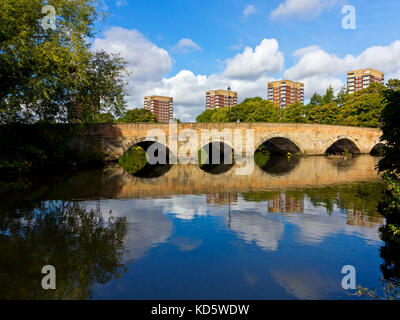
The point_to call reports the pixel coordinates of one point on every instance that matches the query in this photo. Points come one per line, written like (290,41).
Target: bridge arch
(141,167)
(216,157)
(145,143)
(279,144)
(341,144)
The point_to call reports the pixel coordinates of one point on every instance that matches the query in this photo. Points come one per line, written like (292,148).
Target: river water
(282,232)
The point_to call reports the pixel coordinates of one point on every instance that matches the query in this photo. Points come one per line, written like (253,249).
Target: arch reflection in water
(115,182)
(216,158)
(135,160)
(276,165)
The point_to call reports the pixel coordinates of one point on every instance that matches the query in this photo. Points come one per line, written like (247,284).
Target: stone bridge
(279,138)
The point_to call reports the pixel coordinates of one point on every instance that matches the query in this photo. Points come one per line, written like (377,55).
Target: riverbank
(43,149)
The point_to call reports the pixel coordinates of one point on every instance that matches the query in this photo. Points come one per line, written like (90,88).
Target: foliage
(138,115)
(104,118)
(133,159)
(316,99)
(393,84)
(41,146)
(261,157)
(363,108)
(390,127)
(390,292)
(103,89)
(250,110)
(389,206)
(221,115)
(206,115)
(341,96)
(296,113)
(329,96)
(324,114)
(52,74)
(389,165)
(262,111)
(320,100)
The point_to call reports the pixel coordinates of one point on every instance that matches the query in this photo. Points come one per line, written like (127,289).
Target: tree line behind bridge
(362,108)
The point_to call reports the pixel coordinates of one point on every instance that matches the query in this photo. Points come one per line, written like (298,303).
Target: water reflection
(152,171)
(194,235)
(114,182)
(85,247)
(135,162)
(146,225)
(276,165)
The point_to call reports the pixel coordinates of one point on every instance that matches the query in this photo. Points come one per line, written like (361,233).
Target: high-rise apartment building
(220,99)
(162,107)
(361,79)
(285,92)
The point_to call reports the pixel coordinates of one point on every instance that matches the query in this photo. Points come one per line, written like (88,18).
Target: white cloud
(303,51)
(305,284)
(146,61)
(150,64)
(249,10)
(186,45)
(265,231)
(248,72)
(301,9)
(318,69)
(121,3)
(251,64)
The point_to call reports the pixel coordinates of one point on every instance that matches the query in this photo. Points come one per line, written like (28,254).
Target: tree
(389,166)
(250,110)
(363,108)
(390,126)
(329,96)
(316,99)
(105,118)
(255,110)
(393,84)
(295,112)
(138,115)
(341,96)
(52,74)
(103,89)
(249,100)
(267,112)
(221,115)
(326,114)
(206,115)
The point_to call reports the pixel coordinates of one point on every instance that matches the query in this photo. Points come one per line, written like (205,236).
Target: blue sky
(181,48)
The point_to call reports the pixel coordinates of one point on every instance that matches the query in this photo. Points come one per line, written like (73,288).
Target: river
(282,232)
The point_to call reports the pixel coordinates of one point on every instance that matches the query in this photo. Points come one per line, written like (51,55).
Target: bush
(41,146)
